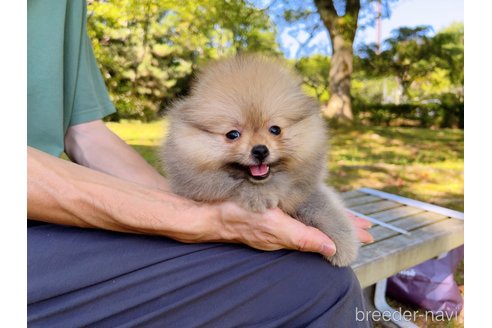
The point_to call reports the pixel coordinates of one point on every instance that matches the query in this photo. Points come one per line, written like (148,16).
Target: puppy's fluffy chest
(280,192)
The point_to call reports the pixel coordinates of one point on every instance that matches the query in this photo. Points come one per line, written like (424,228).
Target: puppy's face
(250,118)
(264,143)
(256,153)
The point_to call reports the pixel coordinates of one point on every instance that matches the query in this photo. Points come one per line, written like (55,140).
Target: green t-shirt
(64,84)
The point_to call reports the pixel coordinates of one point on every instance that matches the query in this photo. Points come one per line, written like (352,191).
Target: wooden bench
(432,231)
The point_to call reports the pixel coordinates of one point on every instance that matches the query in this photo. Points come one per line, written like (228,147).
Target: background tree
(341,19)
(407,56)
(425,66)
(448,49)
(429,71)
(341,28)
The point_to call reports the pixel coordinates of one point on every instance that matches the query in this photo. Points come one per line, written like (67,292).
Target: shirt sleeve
(91,99)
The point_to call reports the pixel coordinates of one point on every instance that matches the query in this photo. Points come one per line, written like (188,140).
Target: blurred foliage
(408,56)
(300,20)
(430,73)
(148,50)
(314,71)
(417,80)
(425,67)
(445,115)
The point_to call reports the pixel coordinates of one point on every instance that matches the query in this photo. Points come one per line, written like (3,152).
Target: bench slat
(387,257)
(376,207)
(361,200)
(408,223)
(415,203)
(352,194)
(396,213)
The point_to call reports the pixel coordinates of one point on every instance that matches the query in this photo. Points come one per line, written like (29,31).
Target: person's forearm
(62,192)
(66,193)
(93,145)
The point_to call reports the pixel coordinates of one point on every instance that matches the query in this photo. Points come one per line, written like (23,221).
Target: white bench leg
(386,310)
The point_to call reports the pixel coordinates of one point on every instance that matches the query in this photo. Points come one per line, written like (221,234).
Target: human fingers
(359,222)
(364,236)
(361,226)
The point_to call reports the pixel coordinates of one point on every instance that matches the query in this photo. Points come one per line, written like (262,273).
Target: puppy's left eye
(275,130)
(234,134)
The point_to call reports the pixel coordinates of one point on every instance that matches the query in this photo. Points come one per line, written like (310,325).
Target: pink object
(430,285)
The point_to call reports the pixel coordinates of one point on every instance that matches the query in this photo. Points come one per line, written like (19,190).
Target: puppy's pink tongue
(259,170)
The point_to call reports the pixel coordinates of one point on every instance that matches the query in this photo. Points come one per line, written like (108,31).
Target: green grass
(418,163)
(144,137)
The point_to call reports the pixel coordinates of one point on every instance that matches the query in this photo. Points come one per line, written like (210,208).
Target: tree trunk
(340,104)
(342,33)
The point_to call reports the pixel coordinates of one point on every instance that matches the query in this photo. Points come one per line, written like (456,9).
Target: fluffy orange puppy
(248,133)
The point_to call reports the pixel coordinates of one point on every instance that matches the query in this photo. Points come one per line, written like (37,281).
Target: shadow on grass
(408,181)
(397,145)
(397,181)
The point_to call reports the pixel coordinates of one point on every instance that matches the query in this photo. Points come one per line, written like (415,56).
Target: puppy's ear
(195,76)
(177,110)
(311,105)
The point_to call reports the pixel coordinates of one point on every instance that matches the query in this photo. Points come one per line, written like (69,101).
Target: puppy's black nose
(260,152)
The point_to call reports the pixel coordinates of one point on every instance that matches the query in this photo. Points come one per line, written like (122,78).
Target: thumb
(294,234)
(310,239)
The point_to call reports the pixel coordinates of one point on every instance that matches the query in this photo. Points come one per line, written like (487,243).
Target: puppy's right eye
(234,134)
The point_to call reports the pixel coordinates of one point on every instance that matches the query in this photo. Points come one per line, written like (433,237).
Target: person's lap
(81,277)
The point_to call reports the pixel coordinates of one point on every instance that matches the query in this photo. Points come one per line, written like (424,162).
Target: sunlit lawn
(418,163)
(144,137)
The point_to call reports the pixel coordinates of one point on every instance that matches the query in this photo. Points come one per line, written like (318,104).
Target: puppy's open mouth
(257,172)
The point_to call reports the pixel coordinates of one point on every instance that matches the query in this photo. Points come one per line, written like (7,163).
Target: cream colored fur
(249,94)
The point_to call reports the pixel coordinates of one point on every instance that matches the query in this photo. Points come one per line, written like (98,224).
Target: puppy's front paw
(347,251)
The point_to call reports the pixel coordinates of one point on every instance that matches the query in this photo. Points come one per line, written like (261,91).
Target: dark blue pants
(82,277)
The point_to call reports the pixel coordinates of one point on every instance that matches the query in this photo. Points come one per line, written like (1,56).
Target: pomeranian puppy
(248,133)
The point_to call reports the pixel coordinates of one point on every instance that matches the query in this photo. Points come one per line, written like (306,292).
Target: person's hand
(274,230)
(361,227)
(271,230)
